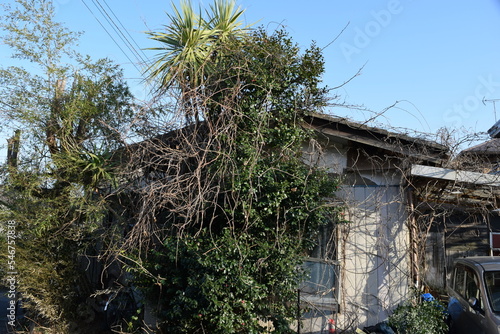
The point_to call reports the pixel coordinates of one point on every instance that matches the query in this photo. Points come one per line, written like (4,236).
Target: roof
(456,186)
(403,144)
(490,147)
(457,176)
(425,151)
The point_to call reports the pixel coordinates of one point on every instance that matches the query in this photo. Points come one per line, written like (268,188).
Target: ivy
(240,267)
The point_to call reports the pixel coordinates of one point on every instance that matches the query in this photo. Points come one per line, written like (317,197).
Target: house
(458,209)
(363,267)
(374,258)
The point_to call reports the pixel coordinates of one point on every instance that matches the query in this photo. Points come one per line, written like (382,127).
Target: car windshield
(492,279)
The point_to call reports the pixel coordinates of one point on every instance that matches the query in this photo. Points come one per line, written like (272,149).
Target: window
(492,279)
(321,289)
(459,280)
(466,284)
(472,287)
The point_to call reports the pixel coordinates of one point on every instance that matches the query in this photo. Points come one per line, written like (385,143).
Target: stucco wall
(372,249)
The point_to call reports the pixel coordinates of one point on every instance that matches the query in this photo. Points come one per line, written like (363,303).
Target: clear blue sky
(439,58)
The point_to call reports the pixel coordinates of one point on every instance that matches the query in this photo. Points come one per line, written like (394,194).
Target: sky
(437,61)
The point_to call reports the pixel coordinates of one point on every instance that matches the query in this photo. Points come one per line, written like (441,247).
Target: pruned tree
(73,113)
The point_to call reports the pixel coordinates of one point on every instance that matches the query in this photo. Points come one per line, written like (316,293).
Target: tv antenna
(494,105)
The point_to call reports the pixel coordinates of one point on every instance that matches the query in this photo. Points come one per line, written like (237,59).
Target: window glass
(459,280)
(325,248)
(492,280)
(472,287)
(320,290)
(321,286)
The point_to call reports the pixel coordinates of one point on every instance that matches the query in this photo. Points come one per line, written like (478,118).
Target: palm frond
(189,42)
(186,46)
(224,17)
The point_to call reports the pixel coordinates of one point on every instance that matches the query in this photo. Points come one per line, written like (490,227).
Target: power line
(123,27)
(110,35)
(117,30)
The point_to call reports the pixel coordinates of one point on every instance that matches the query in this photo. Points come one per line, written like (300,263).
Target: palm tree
(185,48)
(224,20)
(189,44)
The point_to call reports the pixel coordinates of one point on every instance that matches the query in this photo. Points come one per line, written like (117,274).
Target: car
(474,295)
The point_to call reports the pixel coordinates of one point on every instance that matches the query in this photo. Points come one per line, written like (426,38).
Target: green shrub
(419,317)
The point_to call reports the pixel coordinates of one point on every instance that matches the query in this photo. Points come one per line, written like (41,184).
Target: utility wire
(117,30)
(114,40)
(123,27)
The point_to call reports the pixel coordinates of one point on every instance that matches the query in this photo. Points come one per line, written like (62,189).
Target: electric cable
(117,30)
(114,40)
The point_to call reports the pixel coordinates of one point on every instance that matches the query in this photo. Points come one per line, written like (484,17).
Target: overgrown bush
(419,316)
(233,202)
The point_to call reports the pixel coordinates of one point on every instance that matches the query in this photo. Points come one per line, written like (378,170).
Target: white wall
(372,248)
(373,252)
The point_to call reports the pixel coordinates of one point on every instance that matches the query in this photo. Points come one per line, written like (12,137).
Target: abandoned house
(407,216)
(364,267)
(373,261)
